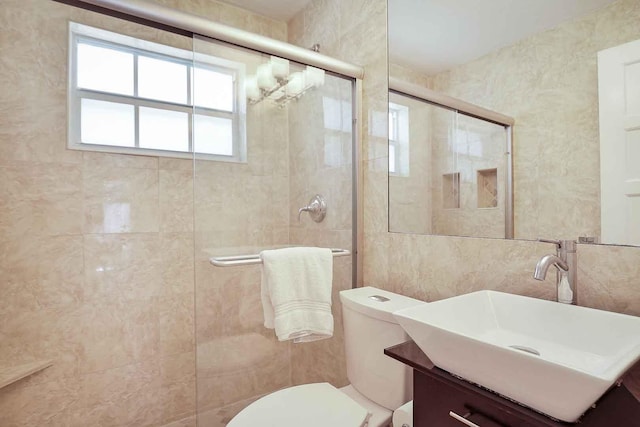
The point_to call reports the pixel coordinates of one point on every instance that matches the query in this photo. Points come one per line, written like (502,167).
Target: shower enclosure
(174,149)
(450,165)
(299,138)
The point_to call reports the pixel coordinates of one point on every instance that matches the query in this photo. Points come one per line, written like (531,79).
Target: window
(132,96)
(398,139)
(393,139)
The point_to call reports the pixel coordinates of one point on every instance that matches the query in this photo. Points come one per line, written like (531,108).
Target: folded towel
(296,293)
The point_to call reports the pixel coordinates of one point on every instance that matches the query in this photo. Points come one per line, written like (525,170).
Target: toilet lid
(309,405)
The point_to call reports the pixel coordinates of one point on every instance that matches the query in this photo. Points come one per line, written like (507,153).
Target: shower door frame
(189,25)
(422,93)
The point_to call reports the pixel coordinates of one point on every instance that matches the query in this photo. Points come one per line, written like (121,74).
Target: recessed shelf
(11,374)
(488,188)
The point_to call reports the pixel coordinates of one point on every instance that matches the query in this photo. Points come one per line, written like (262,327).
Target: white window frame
(399,138)
(138,47)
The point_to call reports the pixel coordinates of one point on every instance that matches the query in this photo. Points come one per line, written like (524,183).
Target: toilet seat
(309,405)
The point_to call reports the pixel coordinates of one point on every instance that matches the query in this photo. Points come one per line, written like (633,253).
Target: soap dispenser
(565,294)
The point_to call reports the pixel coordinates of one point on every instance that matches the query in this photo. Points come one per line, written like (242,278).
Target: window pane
(107,123)
(392,125)
(392,158)
(104,69)
(164,130)
(162,80)
(213,135)
(212,89)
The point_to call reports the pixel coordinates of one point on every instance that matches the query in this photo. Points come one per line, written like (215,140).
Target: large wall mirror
(566,72)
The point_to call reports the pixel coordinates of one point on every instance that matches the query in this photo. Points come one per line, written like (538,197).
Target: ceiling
(434,35)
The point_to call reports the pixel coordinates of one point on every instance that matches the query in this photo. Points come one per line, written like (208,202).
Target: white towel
(296,293)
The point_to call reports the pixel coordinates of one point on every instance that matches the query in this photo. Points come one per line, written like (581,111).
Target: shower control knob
(317,208)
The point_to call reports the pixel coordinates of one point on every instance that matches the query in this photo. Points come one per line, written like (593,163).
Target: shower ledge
(11,374)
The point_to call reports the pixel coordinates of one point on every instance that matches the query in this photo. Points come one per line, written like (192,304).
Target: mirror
(449,171)
(536,61)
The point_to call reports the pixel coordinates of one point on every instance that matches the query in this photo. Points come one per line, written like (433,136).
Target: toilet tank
(369,327)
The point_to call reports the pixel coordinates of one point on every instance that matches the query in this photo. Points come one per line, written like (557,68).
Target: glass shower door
(269,134)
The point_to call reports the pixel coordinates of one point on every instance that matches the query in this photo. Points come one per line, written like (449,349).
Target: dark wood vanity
(438,396)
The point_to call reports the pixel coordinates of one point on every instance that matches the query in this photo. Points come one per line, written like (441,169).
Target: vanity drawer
(441,402)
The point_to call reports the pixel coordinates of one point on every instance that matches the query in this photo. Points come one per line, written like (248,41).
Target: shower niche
(487,193)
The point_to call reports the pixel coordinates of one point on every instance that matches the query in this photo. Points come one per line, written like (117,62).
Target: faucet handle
(558,243)
(563,245)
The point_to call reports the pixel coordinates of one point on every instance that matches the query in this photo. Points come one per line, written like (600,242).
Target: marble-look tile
(465,265)
(240,210)
(241,18)
(122,266)
(40,273)
(40,198)
(118,333)
(50,334)
(235,368)
(120,199)
(176,251)
(124,396)
(321,18)
(171,164)
(409,75)
(376,202)
(47,217)
(33,80)
(176,200)
(189,421)
(54,403)
(376,260)
(177,388)
(220,417)
(267,140)
(176,328)
(609,278)
(108,161)
(227,301)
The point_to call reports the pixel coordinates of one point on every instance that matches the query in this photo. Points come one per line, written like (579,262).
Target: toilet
(378,384)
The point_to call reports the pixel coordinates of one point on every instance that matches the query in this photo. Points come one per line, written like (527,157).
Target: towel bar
(232,261)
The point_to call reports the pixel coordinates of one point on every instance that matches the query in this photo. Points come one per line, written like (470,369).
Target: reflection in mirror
(449,172)
(537,61)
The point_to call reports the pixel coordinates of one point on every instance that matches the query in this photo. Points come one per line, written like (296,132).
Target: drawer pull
(463,420)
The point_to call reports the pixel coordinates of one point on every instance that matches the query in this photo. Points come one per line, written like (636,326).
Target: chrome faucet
(565,261)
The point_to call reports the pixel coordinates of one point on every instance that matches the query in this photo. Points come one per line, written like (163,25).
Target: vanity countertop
(618,407)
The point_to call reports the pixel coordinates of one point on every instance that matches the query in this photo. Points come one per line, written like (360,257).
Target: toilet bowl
(378,384)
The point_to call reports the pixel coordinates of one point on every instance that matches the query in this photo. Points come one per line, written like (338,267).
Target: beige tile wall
(354,32)
(109,298)
(320,156)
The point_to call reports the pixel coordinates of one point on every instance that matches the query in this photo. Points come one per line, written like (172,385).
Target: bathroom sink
(555,358)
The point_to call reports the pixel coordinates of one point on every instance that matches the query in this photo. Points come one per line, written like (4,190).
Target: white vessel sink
(555,358)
